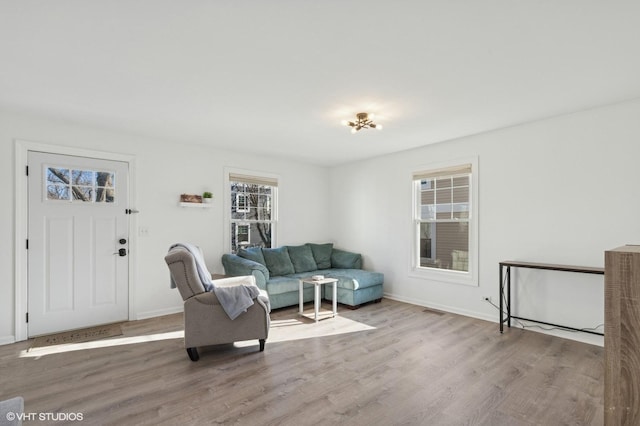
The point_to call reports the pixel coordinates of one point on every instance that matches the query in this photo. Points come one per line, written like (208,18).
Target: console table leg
(509,296)
(501,294)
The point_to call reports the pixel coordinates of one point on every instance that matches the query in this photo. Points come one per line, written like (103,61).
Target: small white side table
(317,284)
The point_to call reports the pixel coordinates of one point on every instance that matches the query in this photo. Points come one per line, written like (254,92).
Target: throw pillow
(253,253)
(322,254)
(345,259)
(302,258)
(278,261)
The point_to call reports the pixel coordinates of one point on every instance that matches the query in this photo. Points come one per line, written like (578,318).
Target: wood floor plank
(389,363)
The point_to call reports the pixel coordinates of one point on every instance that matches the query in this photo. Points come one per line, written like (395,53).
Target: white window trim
(470,277)
(227,204)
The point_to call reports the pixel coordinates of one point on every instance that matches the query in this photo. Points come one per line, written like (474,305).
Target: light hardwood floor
(385,364)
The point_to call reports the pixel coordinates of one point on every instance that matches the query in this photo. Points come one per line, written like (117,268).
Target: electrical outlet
(486,298)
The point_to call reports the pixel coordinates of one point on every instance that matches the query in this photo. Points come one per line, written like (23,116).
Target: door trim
(21,201)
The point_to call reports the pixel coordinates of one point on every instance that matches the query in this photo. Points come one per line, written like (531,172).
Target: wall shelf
(196,205)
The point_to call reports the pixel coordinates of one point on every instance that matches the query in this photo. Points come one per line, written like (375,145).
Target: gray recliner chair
(205,321)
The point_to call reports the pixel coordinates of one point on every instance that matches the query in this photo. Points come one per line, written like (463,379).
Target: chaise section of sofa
(279,270)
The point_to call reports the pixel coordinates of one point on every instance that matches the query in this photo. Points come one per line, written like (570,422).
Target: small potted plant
(207,197)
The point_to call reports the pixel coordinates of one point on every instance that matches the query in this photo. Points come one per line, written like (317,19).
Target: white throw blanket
(234,299)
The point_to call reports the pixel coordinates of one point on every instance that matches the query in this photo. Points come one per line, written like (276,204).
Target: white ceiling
(278,76)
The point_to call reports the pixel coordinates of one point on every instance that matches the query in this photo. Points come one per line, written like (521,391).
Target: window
(253,212)
(92,186)
(445,229)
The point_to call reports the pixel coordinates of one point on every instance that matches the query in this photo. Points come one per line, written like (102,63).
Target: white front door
(78,242)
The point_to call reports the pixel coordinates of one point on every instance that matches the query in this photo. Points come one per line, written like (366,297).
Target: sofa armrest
(343,259)
(235,265)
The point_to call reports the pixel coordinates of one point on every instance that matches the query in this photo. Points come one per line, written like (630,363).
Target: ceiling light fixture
(363,121)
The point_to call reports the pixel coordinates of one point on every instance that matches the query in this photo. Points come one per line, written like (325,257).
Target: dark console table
(505,283)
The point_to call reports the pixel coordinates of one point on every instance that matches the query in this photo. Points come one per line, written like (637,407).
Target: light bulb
(379,126)
(344,122)
(353,130)
(371,116)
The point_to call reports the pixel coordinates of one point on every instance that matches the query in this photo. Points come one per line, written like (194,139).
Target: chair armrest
(246,280)
(210,298)
(263,300)
(206,298)
(236,266)
(249,280)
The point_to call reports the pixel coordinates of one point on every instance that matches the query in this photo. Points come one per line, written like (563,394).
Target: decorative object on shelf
(207,197)
(190,198)
(363,121)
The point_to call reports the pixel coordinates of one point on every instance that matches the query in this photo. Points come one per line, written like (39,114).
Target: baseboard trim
(445,308)
(7,340)
(578,337)
(159,312)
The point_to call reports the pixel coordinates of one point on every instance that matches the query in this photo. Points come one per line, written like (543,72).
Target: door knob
(122,252)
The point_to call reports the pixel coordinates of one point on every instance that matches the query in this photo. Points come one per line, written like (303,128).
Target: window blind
(253,180)
(447,171)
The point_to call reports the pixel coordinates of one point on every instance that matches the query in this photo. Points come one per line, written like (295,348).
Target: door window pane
(86,186)
(83,177)
(56,175)
(81,193)
(57,192)
(105,187)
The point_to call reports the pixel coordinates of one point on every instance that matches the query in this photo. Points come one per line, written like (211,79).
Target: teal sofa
(279,270)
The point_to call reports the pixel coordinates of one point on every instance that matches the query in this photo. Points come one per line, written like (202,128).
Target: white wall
(561,190)
(164,171)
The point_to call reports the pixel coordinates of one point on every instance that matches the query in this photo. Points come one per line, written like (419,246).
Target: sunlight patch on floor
(282,330)
(297,328)
(96,344)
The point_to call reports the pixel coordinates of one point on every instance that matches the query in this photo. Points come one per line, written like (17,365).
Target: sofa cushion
(354,279)
(322,254)
(279,285)
(278,261)
(253,253)
(302,258)
(345,259)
